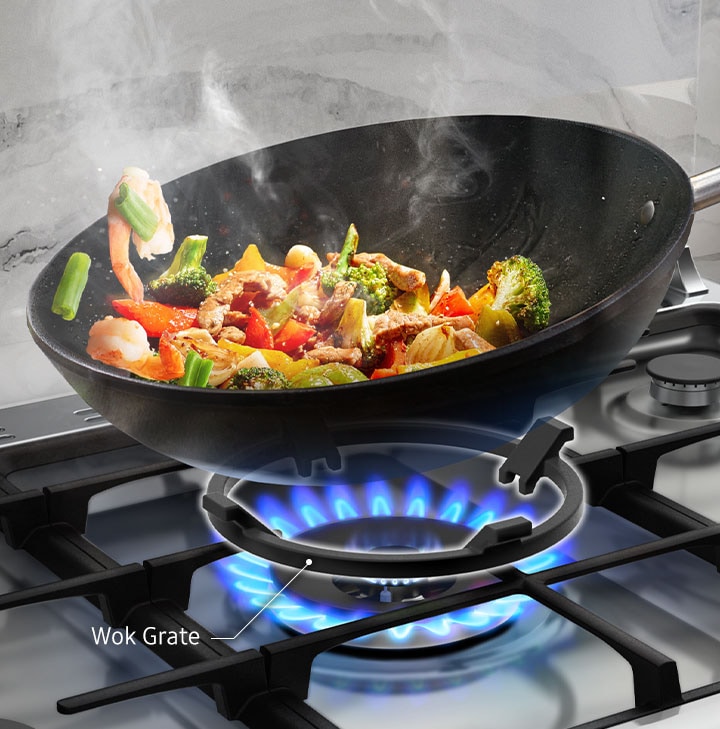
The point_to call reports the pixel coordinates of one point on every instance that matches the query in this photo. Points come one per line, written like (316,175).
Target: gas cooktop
(122,605)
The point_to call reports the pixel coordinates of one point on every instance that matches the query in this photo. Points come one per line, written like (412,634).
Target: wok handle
(706,188)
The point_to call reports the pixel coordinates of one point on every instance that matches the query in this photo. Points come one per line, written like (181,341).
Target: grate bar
(233,680)
(655,676)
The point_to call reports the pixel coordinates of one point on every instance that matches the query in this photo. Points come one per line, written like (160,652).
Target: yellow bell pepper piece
(251,260)
(277,360)
(484,296)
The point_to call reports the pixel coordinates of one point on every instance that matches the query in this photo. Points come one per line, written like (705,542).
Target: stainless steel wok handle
(706,188)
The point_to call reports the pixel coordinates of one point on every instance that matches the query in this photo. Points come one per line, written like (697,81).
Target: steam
(220,112)
(454,161)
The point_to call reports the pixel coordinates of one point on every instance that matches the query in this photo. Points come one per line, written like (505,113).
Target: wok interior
(454,193)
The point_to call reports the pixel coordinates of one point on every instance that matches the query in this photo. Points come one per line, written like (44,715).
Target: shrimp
(120,232)
(123,343)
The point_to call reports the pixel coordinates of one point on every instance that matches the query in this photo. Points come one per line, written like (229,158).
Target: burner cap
(685,379)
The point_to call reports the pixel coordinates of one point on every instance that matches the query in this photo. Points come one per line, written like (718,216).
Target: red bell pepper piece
(156,318)
(257,332)
(300,276)
(394,354)
(293,335)
(453,303)
(381,372)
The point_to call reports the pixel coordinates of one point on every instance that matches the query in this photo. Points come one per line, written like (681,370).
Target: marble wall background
(87,87)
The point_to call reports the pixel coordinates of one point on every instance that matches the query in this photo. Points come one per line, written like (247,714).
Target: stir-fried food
(262,325)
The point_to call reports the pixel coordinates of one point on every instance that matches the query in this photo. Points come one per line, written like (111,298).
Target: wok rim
(80,363)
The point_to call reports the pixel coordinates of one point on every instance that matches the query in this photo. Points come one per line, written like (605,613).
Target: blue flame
(252,579)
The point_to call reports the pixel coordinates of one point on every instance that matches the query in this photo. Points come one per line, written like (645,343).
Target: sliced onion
(432,344)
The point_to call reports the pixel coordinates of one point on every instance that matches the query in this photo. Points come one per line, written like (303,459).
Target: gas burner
(638,410)
(391,518)
(685,379)
(382,543)
(517,641)
(677,392)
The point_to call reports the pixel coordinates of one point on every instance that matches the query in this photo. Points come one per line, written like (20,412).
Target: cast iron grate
(495,543)
(267,686)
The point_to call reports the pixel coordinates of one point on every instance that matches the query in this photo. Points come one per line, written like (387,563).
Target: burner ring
(495,544)
(685,379)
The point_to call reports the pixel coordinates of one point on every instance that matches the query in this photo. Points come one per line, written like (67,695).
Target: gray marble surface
(88,87)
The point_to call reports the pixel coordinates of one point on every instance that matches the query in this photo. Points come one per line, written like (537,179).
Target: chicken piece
(332,311)
(212,312)
(397,325)
(404,277)
(470,339)
(232,334)
(308,314)
(345,355)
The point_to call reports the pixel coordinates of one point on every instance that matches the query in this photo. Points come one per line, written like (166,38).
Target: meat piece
(213,311)
(345,355)
(309,314)
(396,325)
(404,277)
(333,309)
(470,339)
(237,319)
(232,334)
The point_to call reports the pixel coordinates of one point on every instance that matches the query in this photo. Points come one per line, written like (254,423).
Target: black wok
(455,193)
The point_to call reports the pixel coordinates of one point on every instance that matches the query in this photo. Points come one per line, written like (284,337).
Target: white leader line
(308,562)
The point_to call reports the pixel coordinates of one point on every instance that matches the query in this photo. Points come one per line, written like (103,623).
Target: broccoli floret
(186,282)
(186,288)
(372,284)
(374,287)
(520,289)
(258,378)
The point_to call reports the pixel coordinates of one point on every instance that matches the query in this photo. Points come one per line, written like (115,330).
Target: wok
(451,192)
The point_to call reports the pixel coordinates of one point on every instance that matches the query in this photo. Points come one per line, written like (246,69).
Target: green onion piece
(139,215)
(72,284)
(192,360)
(202,375)
(197,370)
